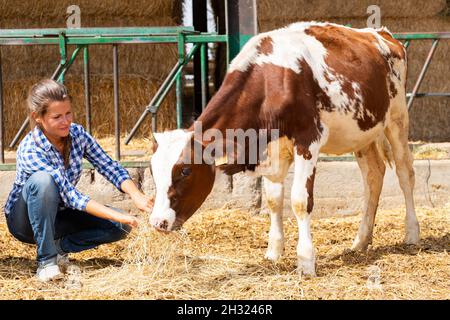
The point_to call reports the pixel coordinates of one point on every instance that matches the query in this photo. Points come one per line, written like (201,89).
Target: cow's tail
(385,150)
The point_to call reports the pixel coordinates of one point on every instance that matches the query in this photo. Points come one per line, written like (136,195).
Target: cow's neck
(231,109)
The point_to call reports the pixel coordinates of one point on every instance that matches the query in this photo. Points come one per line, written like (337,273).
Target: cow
(327,88)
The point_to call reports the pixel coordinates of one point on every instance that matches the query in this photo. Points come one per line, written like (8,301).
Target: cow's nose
(161,224)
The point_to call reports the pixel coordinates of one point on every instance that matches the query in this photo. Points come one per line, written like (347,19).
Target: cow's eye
(185,171)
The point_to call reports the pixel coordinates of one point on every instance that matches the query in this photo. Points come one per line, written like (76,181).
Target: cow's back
(346,77)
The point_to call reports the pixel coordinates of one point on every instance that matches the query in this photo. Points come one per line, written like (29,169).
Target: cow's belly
(344,133)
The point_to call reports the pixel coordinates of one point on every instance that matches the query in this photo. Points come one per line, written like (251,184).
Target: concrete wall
(338,188)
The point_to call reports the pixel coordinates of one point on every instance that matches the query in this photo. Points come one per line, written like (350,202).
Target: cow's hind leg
(372,170)
(397,134)
(302,204)
(275,196)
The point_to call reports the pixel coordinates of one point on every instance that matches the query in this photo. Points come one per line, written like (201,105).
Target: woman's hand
(129,220)
(144,202)
(141,201)
(101,211)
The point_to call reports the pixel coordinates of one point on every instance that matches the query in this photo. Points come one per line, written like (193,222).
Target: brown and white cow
(327,88)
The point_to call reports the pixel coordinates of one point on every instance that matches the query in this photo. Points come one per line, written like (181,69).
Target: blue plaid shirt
(36,153)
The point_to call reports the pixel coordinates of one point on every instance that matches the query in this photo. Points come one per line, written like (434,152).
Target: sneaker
(49,272)
(63,262)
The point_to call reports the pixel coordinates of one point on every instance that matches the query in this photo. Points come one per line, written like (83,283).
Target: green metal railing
(436,37)
(82,38)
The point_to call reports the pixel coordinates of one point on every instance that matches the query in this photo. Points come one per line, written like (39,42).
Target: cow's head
(181,186)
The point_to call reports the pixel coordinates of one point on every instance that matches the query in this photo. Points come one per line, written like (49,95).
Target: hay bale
(134,94)
(90,10)
(327,9)
(142,67)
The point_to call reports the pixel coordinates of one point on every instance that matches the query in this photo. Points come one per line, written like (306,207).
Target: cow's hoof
(275,250)
(360,244)
(412,235)
(272,255)
(412,238)
(306,268)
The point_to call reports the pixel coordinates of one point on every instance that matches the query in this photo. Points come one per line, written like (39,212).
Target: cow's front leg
(275,196)
(305,160)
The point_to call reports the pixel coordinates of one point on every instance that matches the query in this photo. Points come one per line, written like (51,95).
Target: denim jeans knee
(42,183)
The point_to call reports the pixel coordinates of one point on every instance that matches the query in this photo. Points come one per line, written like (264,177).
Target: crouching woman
(44,206)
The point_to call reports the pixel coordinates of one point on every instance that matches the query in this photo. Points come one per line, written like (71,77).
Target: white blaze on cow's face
(170,147)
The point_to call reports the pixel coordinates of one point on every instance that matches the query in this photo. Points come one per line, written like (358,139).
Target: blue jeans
(36,218)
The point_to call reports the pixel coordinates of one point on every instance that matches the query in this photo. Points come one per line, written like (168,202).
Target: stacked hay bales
(142,67)
(430,117)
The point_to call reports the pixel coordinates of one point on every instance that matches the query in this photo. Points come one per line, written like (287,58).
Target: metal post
(179,93)
(406,44)
(63,53)
(241,20)
(116,99)
(154,122)
(179,80)
(2,149)
(423,72)
(87,90)
(200,23)
(154,104)
(204,74)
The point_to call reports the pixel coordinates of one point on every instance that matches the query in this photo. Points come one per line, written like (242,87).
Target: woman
(44,207)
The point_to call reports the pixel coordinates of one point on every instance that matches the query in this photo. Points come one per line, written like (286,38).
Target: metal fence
(83,38)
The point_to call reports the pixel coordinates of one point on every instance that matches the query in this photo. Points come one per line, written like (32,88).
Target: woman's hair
(42,94)
(39,98)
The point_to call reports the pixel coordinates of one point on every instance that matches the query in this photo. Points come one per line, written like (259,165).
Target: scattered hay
(431,153)
(219,255)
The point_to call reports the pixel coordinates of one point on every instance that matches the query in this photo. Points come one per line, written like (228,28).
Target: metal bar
(19,133)
(152,102)
(152,107)
(179,94)
(87,165)
(93,31)
(68,64)
(2,148)
(98,40)
(57,71)
(63,54)
(179,81)
(204,74)
(429,94)
(154,122)
(177,72)
(116,100)
(87,90)
(423,72)
(421,35)
(406,44)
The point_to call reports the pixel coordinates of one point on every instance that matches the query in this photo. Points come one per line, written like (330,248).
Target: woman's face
(57,120)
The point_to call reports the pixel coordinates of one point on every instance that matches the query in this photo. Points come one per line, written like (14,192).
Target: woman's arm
(142,201)
(96,209)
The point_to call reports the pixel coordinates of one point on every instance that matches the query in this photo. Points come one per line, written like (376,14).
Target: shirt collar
(42,141)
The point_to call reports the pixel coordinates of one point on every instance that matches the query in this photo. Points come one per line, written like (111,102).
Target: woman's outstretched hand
(130,220)
(144,202)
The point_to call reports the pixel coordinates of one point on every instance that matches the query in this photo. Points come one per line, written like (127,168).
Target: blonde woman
(44,206)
